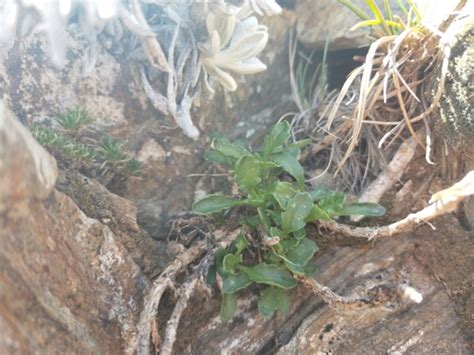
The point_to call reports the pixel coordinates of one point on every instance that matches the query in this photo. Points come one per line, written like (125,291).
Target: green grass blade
(355,9)
(388,9)
(379,16)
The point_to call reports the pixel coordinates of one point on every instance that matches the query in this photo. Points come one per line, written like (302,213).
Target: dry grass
(384,101)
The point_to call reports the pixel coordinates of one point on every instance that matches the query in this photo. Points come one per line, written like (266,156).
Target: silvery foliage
(167,42)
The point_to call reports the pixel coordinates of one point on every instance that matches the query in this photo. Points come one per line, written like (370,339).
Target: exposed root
(185,292)
(339,302)
(152,300)
(390,175)
(146,327)
(441,203)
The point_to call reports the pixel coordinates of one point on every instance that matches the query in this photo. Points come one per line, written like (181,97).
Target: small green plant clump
(106,156)
(74,120)
(273,247)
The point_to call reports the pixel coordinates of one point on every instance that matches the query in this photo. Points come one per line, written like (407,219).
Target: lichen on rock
(457,104)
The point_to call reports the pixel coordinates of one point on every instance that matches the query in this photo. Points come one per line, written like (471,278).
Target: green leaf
(272,299)
(288,243)
(230,262)
(300,144)
(298,209)
(291,165)
(225,147)
(236,282)
(248,173)
(275,215)
(303,252)
(215,203)
(317,214)
(293,151)
(275,232)
(361,209)
(228,306)
(240,243)
(219,256)
(295,268)
(282,192)
(321,192)
(252,221)
(332,202)
(214,156)
(219,260)
(269,274)
(211,275)
(299,234)
(276,138)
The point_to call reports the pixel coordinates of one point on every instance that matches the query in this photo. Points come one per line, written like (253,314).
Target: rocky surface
(67,283)
(38,92)
(426,308)
(75,264)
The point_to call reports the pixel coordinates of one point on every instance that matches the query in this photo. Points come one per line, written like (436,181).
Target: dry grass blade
(404,111)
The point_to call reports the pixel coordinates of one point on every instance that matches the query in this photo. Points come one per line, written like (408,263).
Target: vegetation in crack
(273,246)
(74,147)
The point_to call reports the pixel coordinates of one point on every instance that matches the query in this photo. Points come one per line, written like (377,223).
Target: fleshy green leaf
(317,214)
(321,192)
(300,144)
(240,243)
(228,306)
(269,274)
(361,209)
(214,156)
(272,299)
(303,252)
(295,268)
(291,165)
(230,262)
(293,150)
(282,192)
(300,234)
(215,203)
(227,148)
(332,202)
(275,139)
(236,282)
(211,275)
(298,209)
(275,232)
(248,172)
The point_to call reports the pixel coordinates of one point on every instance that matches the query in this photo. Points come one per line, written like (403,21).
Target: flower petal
(249,66)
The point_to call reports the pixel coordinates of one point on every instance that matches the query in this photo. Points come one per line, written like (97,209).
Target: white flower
(233,46)
(265,7)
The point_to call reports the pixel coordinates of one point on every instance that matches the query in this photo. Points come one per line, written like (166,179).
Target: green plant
(113,152)
(384,22)
(74,120)
(134,167)
(277,210)
(65,146)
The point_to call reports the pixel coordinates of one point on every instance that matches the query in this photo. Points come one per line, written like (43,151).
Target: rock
(31,162)
(413,271)
(67,283)
(318,20)
(38,92)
